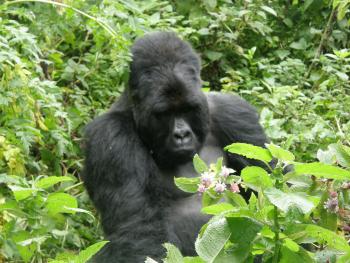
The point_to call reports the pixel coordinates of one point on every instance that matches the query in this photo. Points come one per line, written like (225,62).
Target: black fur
(132,157)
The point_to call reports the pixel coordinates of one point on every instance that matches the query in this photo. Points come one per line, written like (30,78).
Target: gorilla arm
(235,120)
(117,171)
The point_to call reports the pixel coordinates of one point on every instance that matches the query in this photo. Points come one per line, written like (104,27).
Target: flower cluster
(217,180)
(332,203)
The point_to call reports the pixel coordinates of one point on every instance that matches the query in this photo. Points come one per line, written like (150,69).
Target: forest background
(64,62)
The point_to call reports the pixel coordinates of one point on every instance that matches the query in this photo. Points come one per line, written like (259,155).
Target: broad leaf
(236,199)
(269,10)
(199,165)
(193,260)
(288,255)
(51,180)
(217,208)
(323,235)
(250,151)
(280,153)
(284,201)
(60,203)
(321,170)
(243,229)
(256,178)
(213,240)
(21,193)
(173,254)
(189,185)
(87,253)
(345,258)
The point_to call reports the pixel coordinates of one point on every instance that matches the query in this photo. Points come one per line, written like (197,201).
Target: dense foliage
(63,62)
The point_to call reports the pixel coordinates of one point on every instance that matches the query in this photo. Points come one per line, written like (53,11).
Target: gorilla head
(169,108)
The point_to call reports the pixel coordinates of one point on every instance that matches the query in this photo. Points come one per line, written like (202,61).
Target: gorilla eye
(190,109)
(159,114)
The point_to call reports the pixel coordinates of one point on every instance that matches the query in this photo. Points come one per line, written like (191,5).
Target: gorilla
(148,137)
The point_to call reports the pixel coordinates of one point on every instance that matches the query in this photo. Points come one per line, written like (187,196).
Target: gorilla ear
(192,70)
(189,71)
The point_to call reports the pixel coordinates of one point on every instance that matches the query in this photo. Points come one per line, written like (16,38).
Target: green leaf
(210,4)
(323,235)
(343,157)
(327,256)
(217,208)
(213,240)
(327,220)
(321,170)
(21,193)
(280,153)
(291,245)
(250,151)
(269,10)
(209,198)
(213,55)
(193,260)
(87,253)
(243,229)
(236,199)
(256,178)
(25,250)
(51,180)
(299,45)
(203,31)
(60,203)
(189,185)
(199,165)
(284,201)
(173,254)
(218,165)
(288,255)
(345,258)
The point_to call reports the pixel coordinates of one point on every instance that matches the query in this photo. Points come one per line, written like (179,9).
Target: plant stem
(325,35)
(277,236)
(278,185)
(96,19)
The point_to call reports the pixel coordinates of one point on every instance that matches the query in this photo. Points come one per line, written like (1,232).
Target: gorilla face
(170,111)
(172,117)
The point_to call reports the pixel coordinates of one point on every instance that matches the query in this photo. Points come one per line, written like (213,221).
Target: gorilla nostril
(182,136)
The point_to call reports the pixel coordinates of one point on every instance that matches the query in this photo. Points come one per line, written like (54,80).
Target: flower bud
(226,171)
(201,188)
(207,178)
(234,188)
(332,205)
(220,188)
(333,194)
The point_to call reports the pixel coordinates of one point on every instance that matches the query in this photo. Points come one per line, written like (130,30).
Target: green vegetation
(285,214)
(63,62)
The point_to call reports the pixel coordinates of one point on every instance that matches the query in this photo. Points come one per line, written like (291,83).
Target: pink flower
(332,205)
(226,171)
(220,188)
(346,228)
(201,188)
(333,194)
(234,188)
(207,179)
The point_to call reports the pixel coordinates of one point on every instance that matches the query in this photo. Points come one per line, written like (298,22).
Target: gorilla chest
(183,218)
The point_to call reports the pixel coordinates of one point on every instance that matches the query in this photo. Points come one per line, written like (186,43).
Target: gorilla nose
(182,136)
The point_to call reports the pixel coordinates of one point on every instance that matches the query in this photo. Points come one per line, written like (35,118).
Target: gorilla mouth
(184,150)
(183,154)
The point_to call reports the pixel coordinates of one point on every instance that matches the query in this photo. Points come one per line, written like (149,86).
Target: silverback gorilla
(148,137)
